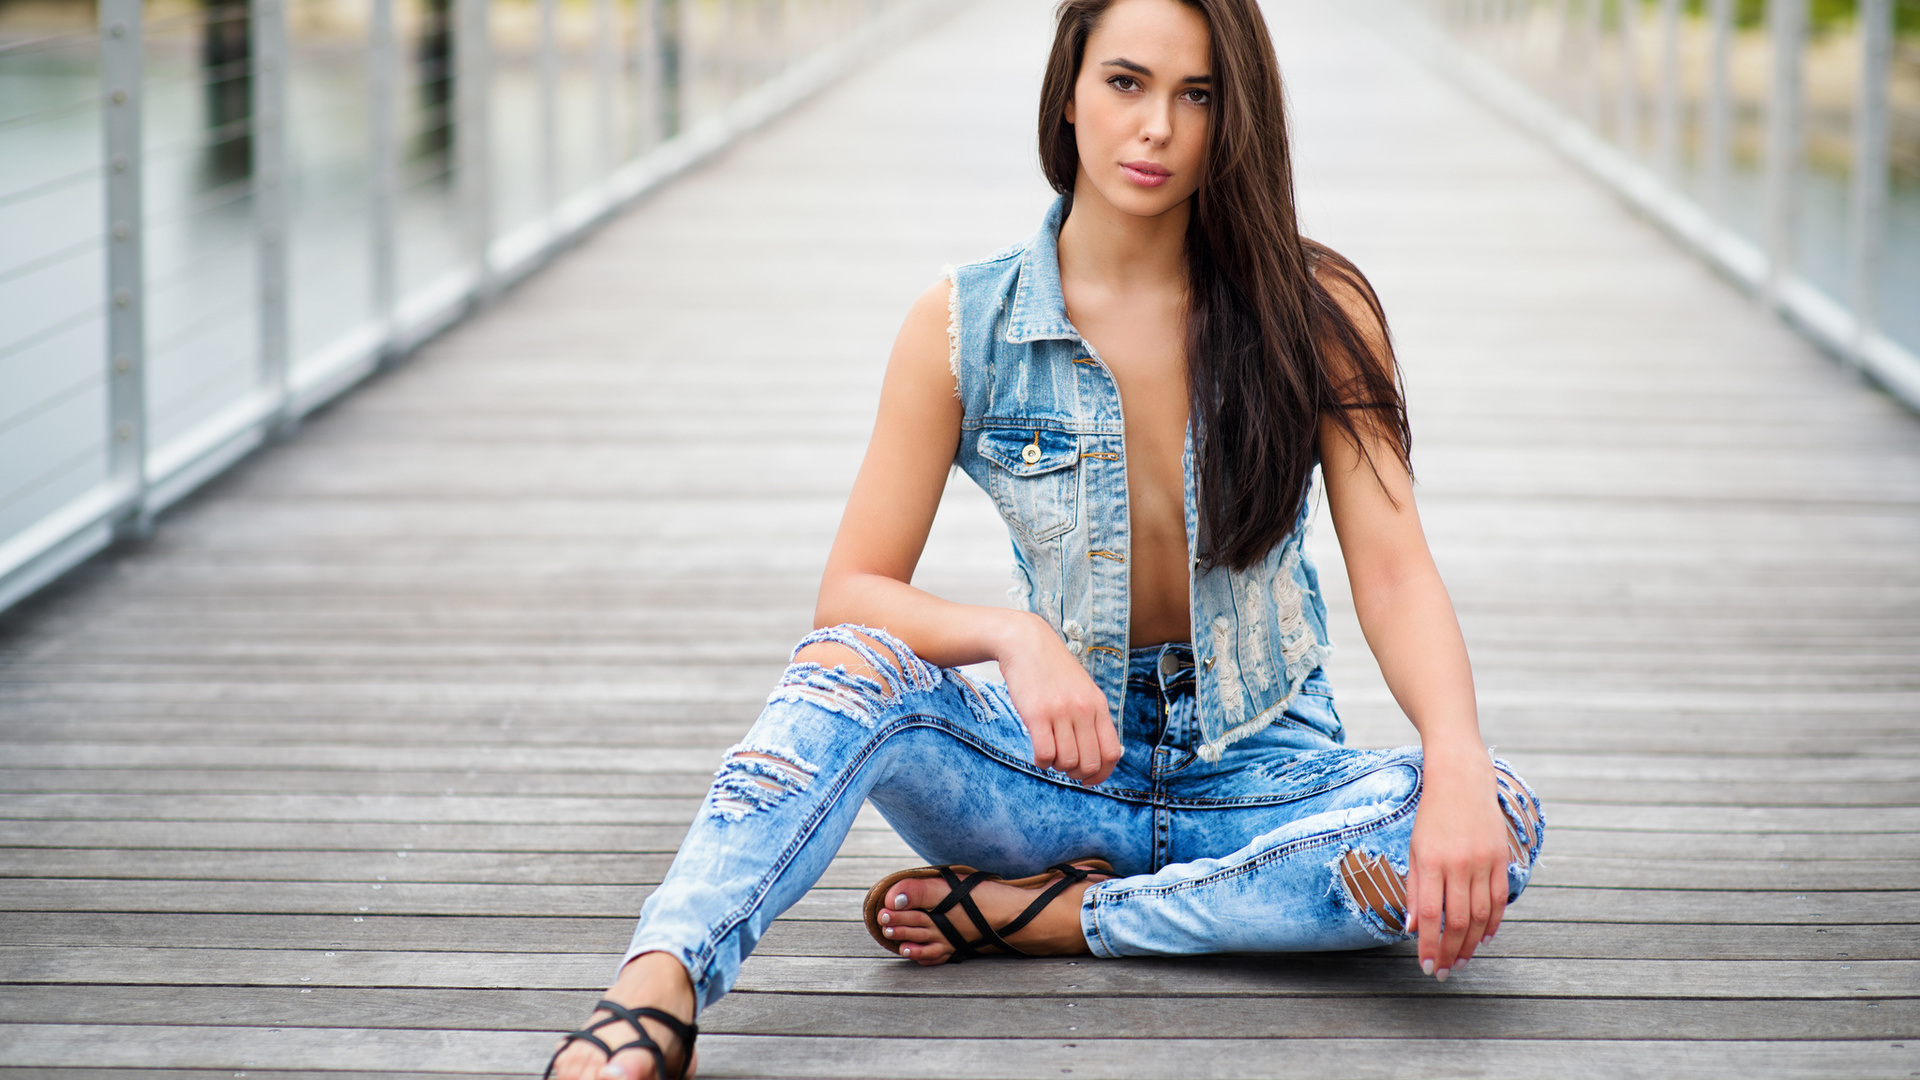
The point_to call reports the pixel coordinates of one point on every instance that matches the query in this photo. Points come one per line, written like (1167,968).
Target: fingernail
(1441,974)
(900,901)
(1426,967)
(888,931)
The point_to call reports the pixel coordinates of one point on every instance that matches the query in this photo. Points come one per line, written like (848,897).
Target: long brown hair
(1270,349)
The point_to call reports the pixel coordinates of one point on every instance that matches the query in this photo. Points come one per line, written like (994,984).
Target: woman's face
(1140,108)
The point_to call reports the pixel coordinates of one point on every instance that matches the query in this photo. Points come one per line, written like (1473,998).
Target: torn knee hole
(855,671)
(1374,883)
(753,779)
(834,656)
(1523,816)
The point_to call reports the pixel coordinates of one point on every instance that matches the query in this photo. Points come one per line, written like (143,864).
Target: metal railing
(1779,139)
(216,215)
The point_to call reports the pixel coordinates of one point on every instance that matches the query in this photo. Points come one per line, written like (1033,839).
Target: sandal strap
(1070,876)
(684,1033)
(960,894)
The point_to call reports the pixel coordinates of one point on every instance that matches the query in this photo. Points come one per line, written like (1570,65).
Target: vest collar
(1039,308)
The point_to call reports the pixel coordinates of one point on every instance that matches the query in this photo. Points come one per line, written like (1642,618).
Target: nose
(1158,127)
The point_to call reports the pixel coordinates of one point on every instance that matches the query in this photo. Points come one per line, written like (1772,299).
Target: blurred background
(216,215)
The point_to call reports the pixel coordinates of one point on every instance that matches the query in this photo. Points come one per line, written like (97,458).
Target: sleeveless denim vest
(1043,436)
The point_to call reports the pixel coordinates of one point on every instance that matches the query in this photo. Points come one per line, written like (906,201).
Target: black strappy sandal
(685,1033)
(961,896)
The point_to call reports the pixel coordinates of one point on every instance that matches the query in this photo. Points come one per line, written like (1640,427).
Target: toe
(577,1062)
(928,954)
(914,934)
(910,920)
(919,892)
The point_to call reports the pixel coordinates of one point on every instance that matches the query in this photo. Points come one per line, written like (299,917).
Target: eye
(1198,96)
(1124,83)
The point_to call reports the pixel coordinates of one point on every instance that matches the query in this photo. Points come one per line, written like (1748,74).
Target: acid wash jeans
(1290,842)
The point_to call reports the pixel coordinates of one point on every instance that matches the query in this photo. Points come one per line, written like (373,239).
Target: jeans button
(1169,664)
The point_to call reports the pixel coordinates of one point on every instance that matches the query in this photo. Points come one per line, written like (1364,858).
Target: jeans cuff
(697,970)
(1090,926)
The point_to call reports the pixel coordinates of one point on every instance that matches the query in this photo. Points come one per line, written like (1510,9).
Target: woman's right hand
(1064,710)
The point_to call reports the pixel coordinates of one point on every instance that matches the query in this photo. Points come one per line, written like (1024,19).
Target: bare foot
(656,980)
(1055,931)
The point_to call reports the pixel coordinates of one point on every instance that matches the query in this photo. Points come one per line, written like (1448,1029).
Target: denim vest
(1043,435)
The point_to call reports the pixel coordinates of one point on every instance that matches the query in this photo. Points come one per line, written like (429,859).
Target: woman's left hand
(1457,867)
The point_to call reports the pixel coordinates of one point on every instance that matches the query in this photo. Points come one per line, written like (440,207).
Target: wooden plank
(1545,903)
(848,871)
(1283,976)
(387,836)
(94,1046)
(607,935)
(649,810)
(1383,1016)
(112,766)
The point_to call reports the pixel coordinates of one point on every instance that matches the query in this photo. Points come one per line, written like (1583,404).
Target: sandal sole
(877,896)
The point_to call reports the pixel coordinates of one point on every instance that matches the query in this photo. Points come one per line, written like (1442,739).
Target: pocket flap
(1029,452)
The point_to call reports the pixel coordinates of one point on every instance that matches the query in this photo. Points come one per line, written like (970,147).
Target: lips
(1145,173)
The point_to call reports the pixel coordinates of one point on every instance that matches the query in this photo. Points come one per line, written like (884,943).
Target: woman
(1163,771)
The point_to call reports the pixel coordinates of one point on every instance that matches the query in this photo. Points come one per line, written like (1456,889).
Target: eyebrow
(1140,69)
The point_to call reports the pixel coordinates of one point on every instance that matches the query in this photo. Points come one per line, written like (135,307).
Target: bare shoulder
(919,398)
(1348,289)
(921,352)
(1349,323)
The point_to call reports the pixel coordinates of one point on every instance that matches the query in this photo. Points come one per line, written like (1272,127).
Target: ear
(1069,112)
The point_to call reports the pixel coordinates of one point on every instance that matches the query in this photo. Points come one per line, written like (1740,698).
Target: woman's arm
(1459,855)
(884,531)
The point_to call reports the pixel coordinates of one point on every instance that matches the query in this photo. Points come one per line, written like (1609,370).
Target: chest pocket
(1034,479)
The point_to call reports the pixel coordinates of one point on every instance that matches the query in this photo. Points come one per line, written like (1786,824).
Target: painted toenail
(888,931)
(610,1071)
(885,917)
(900,901)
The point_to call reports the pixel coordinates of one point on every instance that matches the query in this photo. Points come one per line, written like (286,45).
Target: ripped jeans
(1290,842)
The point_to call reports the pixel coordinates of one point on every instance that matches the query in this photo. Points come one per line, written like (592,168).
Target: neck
(1108,248)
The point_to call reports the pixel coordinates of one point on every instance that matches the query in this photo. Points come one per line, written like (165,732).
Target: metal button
(1169,664)
(1208,664)
(1031,454)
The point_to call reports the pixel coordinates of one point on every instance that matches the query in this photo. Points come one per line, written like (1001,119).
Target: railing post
(667,63)
(1666,115)
(270,201)
(1871,131)
(605,41)
(548,65)
(1593,33)
(121,68)
(472,89)
(1780,198)
(1627,96)
(383,158)
(1563,43)
(1719,109)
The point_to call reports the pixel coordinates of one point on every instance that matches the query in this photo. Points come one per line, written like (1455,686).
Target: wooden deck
(365,762)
